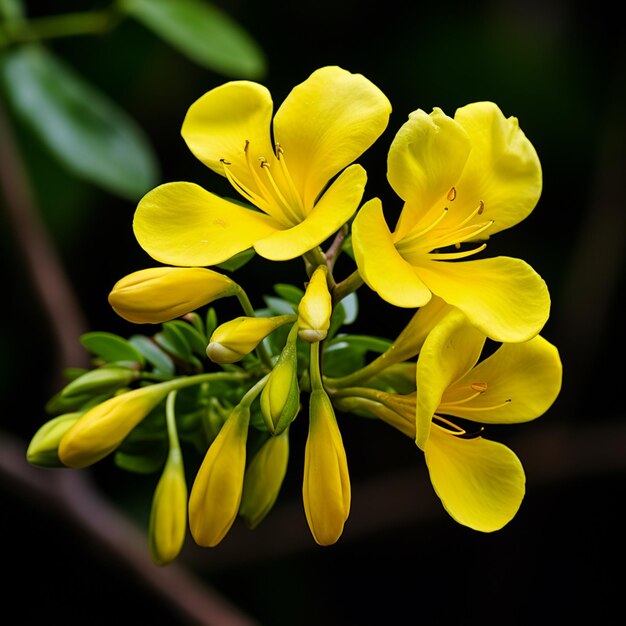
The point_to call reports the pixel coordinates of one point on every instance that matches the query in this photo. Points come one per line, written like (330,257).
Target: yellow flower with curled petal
(480,482)
(323,125)
(461,180)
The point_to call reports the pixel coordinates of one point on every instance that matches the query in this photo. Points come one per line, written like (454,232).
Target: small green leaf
(350,305)
(161,362)
(203,32)
(278,306)
(194,339)
(291,293)
(110,347)
(237,261)
(172,340)
(147,462)
(211,321)
(88,133)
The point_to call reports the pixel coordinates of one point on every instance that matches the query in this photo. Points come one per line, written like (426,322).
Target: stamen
(480,387)
(253,197)
(455,429)
(413,236)
(451,194)
(295,195)
(449,256)
(266,167)
(475,409)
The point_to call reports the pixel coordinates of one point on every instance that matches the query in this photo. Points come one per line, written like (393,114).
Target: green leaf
(110,347)
(291,293)
(161,362)
(202,32)
(12,10)
(88,133)
(278,306)
(147,462)
(211,321)
(195,340)
(237,261)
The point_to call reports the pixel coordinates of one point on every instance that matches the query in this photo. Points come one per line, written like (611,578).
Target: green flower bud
(326,487)
(101,429)
(216,491)
(43,448)
(102,380)
(280,398)
(233,340)
(264,478)
(315,308)
(168,516)
(159,294)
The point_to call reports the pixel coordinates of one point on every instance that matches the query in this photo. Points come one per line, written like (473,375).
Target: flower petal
(380,264)
(183,224)
(481,483)
(504,297)
(218,125)
(325,123)
(332,211)
(426,158)
(451,349)
(503,169)
(525,378)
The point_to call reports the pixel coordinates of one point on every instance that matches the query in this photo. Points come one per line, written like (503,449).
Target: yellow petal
(327,122)
(332,211)
(504,297)
(503,169)
(481,483)
(218,125)
(326,485)
(159,294)
(216,491)
(380,264)
(451,349)
(426,158)
(183,224)
(523,380)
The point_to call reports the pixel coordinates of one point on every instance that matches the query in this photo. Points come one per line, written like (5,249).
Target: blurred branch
(48,278)
(72,495)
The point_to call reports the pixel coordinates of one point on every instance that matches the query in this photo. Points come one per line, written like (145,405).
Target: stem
(314,367)
(254,391)
(347,286)
(315,257)
(170,417)
(334,249)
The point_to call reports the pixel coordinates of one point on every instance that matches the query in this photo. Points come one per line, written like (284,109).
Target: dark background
(556,66)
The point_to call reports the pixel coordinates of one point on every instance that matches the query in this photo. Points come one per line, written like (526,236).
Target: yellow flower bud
(280,398)
(315,308)
(168,516)
(234,339)
(216,491)
(101,429)
(264,478)
(159,294)
(43,448)
(326,486)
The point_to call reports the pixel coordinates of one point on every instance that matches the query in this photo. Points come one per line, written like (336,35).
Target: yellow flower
(233,340)
(461,180)
(323,125)
(159,294)
(43,447)
(326,487)
(216,491)
(102,429)
(315,308)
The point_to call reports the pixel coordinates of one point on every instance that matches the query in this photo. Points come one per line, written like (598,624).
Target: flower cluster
(471,355)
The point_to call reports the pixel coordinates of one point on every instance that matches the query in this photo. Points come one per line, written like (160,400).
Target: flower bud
(101,429)
(168,516)
(233,340)
(101,380)
(280,398)
(264,478)
(43,448)
(315,308)
(216,491)
(326,486)
(159,294)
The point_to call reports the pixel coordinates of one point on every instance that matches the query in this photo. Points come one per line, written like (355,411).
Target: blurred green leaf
(11,9)
(195,340)
(202,32)
(237,261)
(84,130)
(291,293)
(111,347)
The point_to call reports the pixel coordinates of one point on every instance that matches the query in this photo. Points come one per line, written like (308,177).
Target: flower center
(268,185)
(427,241)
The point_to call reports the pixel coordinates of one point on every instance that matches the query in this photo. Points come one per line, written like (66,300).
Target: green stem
(315,257)
(254,391)
(314,367)
(170,417)
(347,286)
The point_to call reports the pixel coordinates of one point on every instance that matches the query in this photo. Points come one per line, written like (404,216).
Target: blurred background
(75,549)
